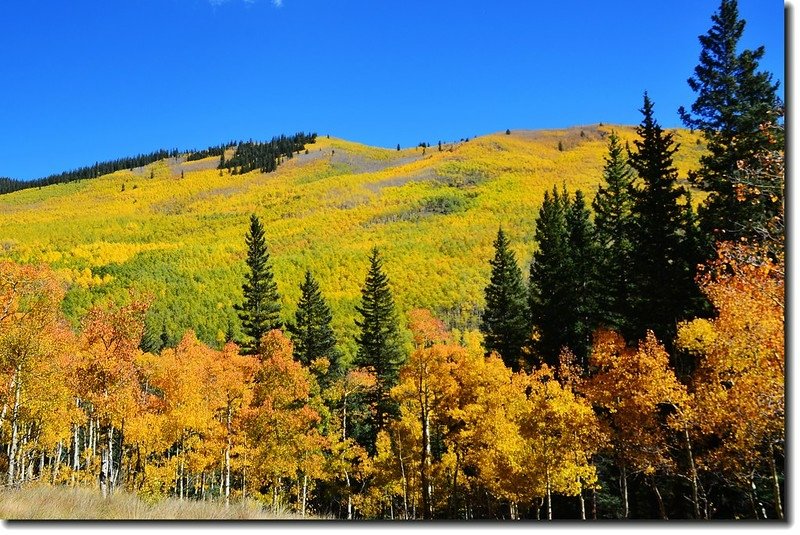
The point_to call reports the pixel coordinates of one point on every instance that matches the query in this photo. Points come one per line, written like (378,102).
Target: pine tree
(583,287)
(260,311)
(379,344)
(734,104)
(613,219)
(503,322)
(311,331)
(662,277)
(164,338)
(547,286)
(563,287)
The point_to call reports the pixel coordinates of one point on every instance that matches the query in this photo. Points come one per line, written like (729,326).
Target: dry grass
(57,503)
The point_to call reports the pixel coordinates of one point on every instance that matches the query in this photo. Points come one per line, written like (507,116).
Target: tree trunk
(623,481)
(427,510)
(228,461)
(692,473)
(405,479)
(761,508)
(776,485)
(305,490)
(57,461)
(12,454)
(75,451)
(454,491)
(349,496)
(549,498)
(661,509)
(582,503)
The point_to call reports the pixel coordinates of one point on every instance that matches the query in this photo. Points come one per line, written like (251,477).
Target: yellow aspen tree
(30,334)
(740,373)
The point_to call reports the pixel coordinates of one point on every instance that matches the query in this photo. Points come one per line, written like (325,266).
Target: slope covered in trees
(434,218)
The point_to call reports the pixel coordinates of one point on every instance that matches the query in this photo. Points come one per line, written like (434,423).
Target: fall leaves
(89,407)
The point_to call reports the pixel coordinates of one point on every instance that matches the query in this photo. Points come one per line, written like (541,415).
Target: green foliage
(548,289)
(735,105)
(613,219)
(311,331)
(662,277)
(564,288)
(379,344)
(503,323)
(260,312)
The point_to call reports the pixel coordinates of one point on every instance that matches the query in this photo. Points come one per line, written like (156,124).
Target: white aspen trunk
(761,508)
(405,480)
(692,473)
(349,497)
(582,502)
(549,500)
(12,453)
(228,461)
(776,485)
(305,489)
(57,461)
(110,459)
(623,479)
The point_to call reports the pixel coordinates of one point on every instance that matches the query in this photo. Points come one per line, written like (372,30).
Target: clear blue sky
(91,80)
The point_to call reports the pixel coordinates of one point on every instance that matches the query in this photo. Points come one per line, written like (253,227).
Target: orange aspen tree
(630,388)
(109,381)
(740,374)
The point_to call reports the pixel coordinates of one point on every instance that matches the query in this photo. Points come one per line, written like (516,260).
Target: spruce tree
(379,344)
(734,103)
(583,287)
(662,278)
(260,311)
(311,331)
(563,299)
(548,289)
(503,322)
(613,219)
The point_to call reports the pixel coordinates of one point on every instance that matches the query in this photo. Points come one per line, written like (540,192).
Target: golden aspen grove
(582,323)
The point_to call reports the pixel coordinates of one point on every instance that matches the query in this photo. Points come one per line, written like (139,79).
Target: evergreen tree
(379,344)
(583,288)
(311,331)
(229,333)
(613,219)
(563,298)
(548,289)
(734,103)
(164,338)
(662,278)
(503,322)
(260,311)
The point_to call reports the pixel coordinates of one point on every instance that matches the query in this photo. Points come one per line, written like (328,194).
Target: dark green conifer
(311,331)
(582,308)
(547,286)
(503,323)
(613,219)
(662,277)
(734,102)
(379,344)
(260,311)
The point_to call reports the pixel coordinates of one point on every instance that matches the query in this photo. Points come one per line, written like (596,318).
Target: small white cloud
(277,3)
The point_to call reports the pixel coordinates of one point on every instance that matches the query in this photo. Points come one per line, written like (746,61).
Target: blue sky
(92,80)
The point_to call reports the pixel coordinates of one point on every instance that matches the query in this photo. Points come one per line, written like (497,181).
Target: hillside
(433,214)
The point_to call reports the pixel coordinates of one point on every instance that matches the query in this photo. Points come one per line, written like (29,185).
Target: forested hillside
(173,229)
